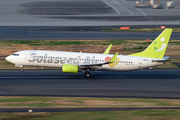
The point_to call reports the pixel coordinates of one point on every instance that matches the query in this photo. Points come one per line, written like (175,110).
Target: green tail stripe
(158,47)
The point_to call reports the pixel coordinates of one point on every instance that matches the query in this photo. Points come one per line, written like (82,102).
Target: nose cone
(9,58)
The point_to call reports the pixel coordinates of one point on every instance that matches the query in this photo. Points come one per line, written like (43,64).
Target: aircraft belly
(49,65)
(36,64)
(120,67)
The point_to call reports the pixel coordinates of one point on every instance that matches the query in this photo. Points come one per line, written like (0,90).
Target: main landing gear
(87,73)
(22,70)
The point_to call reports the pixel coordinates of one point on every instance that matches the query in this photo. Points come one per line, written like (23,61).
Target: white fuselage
(44,58)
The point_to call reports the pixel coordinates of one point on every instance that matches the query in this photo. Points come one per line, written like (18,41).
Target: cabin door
(140,63)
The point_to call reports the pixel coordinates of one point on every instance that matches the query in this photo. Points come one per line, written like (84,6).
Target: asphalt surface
(83,13)
(8,110)
(155,83)
(55,33)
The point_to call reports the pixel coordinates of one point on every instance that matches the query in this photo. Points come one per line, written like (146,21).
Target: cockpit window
(15,54)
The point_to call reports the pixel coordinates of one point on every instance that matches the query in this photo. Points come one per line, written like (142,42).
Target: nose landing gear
(87,73)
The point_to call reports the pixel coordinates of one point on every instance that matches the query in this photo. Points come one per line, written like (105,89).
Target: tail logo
(163,45)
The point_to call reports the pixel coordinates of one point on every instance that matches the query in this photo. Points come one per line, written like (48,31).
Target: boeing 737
(74,62)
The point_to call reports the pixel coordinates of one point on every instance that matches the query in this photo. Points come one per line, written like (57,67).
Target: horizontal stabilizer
(166,57)
(160,60)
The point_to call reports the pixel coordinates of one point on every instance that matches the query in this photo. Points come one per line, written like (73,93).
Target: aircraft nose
(9,58)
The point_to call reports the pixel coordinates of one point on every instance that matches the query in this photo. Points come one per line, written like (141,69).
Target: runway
(155,83)
(83,13)
(55,33)
(9,110)
(44,20)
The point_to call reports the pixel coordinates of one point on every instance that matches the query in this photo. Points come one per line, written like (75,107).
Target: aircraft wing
(98,64)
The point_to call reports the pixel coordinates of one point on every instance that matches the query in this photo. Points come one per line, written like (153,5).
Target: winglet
(113,58)
(108,49)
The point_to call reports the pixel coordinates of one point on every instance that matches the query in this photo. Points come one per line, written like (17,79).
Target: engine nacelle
(70,68)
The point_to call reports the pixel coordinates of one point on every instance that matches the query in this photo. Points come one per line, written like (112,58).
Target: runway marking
(136,8)
(124,7)
(150,13)
(142,12)
(112,7)
(127,2)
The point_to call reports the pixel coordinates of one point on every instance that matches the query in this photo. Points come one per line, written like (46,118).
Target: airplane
(74,62)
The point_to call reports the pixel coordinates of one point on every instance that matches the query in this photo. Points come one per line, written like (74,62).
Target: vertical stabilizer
(158,47)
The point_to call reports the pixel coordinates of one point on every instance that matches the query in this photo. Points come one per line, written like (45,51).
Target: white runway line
(127,2)
(136,8)
(150,13)
(112,7)
(124,7)
(142,12)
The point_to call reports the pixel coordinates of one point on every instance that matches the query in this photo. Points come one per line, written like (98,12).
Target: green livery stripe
(158,47)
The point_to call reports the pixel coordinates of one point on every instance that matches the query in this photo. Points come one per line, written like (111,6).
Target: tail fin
(158,47)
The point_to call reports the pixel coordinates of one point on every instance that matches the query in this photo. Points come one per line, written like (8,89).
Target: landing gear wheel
(22,70)
(87,73)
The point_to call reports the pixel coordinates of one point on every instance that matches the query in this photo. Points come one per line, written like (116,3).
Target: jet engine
(70,68)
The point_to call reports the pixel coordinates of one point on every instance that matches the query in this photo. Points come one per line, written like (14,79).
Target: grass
(37,105)
(82,102)
(25,99)
(113,115)
(63,42)
(28,42)
(175,43)
(177,29)
(168,64)
(80,42)
(79,102)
